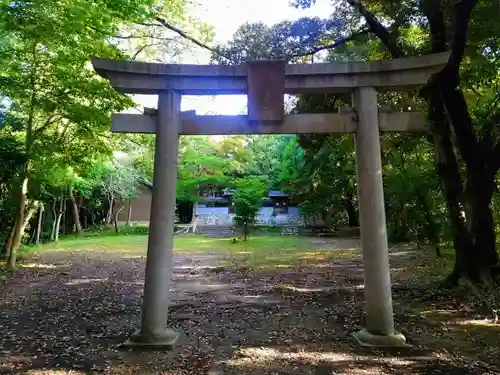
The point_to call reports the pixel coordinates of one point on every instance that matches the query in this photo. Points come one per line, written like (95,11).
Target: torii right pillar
(379,330)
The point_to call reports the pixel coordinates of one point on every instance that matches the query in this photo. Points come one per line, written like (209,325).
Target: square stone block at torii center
(265,83)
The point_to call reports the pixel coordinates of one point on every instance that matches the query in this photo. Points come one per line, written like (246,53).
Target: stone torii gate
(265,83)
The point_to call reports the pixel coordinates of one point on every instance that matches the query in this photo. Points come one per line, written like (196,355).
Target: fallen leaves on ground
(67,314)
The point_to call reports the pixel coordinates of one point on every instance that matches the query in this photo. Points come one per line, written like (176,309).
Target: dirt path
(71,312)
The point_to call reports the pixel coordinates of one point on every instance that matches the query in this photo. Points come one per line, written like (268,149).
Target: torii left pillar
(154,331)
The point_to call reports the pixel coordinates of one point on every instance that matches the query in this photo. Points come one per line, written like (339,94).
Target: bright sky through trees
(226,16)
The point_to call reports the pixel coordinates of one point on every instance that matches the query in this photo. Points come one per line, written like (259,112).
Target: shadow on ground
(70,316)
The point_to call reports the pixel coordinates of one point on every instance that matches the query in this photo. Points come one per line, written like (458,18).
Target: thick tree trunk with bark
(477,255)
(449,172)
(476,260)
(75,210)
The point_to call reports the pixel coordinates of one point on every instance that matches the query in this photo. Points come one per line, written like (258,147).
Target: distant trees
(247,200)
(55,111)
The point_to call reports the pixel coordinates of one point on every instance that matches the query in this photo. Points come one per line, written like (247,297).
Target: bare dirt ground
(68,313)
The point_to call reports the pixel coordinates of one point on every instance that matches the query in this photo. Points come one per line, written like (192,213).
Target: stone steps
(215,231)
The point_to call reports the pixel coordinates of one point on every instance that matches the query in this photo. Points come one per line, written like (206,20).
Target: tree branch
(114,36)
(31,112)
(132,36)
(190,38)
(142,48)
(448,79)
(50,120)
(463,11)
(149,24)
(435,16)
(62,135)
(378,29)
(458,112)
(333,45)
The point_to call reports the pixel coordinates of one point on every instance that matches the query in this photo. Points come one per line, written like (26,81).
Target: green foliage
(201,170)
(268,155)
(414,202)
(247,200)
(118,181)
(55,108)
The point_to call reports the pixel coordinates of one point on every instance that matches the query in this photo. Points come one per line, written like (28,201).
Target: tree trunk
(115,218)
(39,224)
(352,214)
(245,231)
(482,256)
(83,213)
(129,213)
(8,241)
(75,211)
(57,226)
(28,214)
(109,214)
(449,172)
(85,221)
(18,226)
(59,219)
(54,220)
(193,217)
(64,218)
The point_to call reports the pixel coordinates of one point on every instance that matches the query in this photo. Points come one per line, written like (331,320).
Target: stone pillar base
(140,340)
(367,339)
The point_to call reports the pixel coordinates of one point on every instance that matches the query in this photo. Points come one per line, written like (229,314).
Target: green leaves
(201,170)
(247,199)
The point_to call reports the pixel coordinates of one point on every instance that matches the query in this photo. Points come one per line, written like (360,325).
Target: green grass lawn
(257,251)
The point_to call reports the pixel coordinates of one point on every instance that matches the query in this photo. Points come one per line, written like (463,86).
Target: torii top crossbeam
(338,77)
(265,82)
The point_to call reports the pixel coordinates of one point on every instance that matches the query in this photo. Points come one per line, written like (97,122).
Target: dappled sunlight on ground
(54,372)
(479,323)
(37,265)
(85,281)
(263,354)
(300,360)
